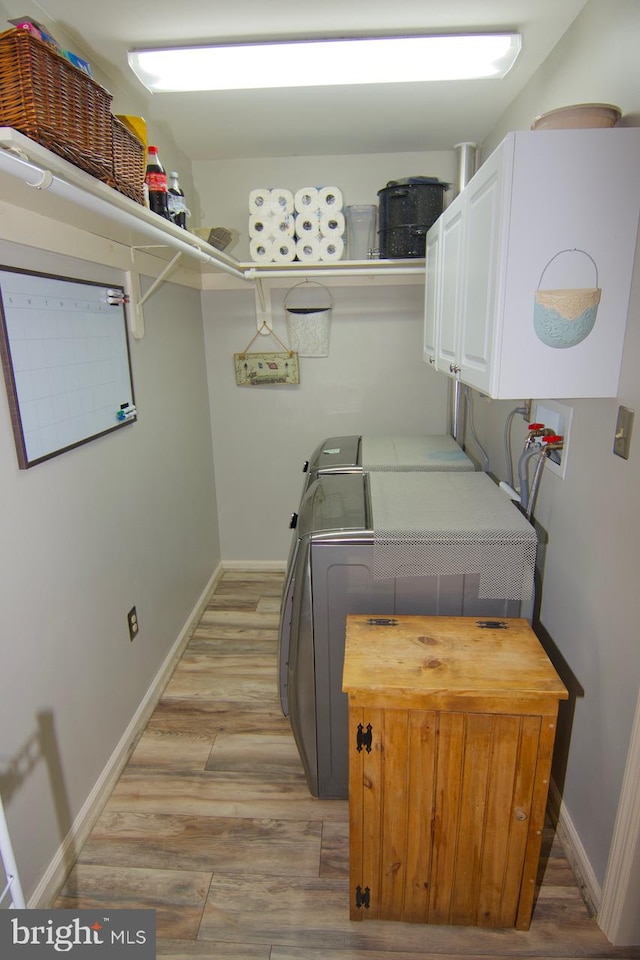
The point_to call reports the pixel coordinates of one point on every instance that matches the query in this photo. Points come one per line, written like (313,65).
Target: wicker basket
(129,162)
(50,101)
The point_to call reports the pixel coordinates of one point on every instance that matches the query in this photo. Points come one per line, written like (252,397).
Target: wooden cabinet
(452,723)
(555,209)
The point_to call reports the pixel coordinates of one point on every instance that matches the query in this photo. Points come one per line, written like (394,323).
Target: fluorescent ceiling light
(311,63)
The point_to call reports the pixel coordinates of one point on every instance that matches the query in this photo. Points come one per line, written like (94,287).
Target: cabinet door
(446,814)
(482,258)
(432,298)
(451,288)
(391,795)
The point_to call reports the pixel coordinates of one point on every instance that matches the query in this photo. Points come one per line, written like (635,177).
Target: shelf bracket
(160,279)
(264,321)
(135,313)
(137,299)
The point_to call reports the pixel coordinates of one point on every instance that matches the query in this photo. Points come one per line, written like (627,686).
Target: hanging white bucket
(564,317)
(309,318)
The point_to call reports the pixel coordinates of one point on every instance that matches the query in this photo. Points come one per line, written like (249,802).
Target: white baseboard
(56,873)
(576,854)
(256,566)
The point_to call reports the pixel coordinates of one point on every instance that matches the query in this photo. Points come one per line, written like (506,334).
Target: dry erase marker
(126,412)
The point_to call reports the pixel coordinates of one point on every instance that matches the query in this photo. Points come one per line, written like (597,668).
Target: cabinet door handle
(432,359)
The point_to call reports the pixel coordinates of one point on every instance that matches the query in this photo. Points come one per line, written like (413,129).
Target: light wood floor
(212,825)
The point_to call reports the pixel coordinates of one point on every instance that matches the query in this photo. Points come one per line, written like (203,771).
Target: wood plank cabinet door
(447,811)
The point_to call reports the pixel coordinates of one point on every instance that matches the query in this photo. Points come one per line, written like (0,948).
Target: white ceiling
(310,121)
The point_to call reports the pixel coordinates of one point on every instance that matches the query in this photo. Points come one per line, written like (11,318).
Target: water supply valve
(534,432)
(537,434)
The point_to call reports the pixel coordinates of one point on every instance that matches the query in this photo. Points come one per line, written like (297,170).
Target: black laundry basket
(406,209)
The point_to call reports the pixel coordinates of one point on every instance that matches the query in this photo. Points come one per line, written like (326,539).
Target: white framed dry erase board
(66,363)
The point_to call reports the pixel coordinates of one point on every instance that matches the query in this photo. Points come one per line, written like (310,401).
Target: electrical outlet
(556,416)
(134,626)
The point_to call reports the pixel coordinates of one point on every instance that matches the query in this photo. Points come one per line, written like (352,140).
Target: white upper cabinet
(529,269)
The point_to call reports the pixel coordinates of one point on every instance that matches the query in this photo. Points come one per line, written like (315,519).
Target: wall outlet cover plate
(624,429)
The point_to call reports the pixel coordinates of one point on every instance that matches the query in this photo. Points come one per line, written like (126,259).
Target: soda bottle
(176,203)
(156,181)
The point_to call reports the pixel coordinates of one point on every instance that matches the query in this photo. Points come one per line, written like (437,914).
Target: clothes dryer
(357,454)
(383,544)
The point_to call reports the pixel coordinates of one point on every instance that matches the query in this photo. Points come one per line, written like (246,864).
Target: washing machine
(449,544)
(355,454)
(359,454)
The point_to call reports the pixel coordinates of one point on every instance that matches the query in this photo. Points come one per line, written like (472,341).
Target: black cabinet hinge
(364,738)
(363,898)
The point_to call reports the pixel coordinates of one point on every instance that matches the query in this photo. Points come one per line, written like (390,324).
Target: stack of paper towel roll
(307,226)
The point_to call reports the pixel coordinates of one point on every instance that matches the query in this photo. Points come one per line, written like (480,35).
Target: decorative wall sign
(262,369)
(255,369)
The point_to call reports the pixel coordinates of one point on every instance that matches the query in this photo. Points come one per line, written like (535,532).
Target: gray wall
(126,519)
(589,601)
(223,186)
(373,381)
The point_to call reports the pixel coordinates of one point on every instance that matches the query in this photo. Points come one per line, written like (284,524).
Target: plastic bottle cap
(173,174)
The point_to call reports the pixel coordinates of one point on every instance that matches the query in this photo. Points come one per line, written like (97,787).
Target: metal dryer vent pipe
(466,155)
(465,169)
